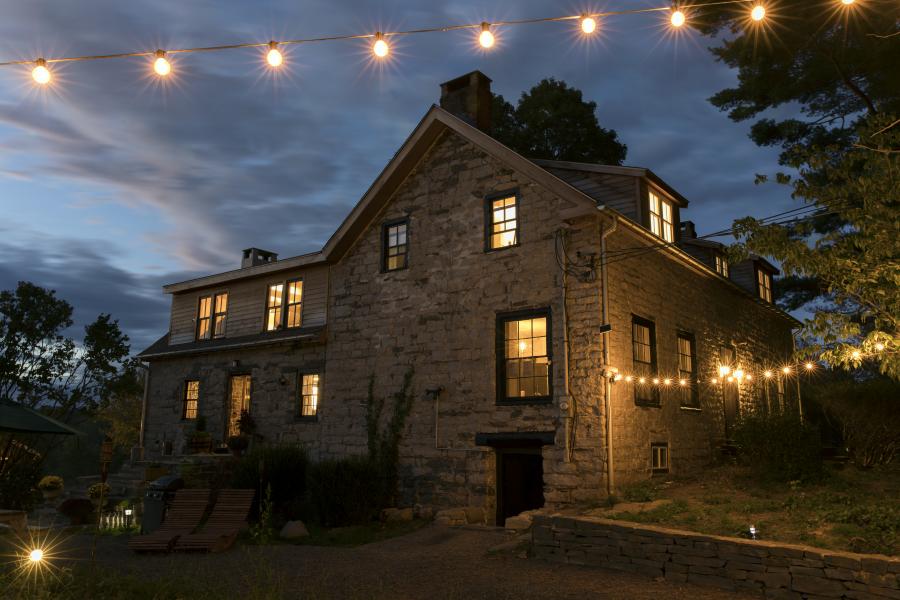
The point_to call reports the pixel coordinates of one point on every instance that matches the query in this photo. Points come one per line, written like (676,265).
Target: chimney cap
(457,82)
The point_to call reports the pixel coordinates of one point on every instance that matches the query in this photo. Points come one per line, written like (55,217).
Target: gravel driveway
(433,562)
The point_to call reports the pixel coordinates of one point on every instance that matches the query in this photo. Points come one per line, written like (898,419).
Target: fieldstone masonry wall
(778,570)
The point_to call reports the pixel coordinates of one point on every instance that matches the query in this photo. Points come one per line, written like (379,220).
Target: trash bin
(157,498)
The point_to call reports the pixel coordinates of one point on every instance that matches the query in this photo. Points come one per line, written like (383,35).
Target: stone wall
(779,570)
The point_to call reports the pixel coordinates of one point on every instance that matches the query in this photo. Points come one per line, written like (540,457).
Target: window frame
(502,319)
(722,265)
(653,365)
(211,319)
(215,316)
(692,386)
(185,400)
(299,413)
(385,248)
(664,203)
(654,448)
(285,304)
(489,218)
(764,285)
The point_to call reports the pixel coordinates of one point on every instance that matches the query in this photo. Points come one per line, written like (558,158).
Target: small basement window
(659,457)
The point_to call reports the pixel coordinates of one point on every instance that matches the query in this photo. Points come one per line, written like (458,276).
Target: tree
(120,411)
(552,121)
(43,369)
(832,71)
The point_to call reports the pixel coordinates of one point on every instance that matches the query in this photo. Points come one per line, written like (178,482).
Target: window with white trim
(764,284)
(659,457)
(662,220)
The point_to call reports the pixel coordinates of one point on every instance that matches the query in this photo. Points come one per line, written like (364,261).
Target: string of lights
(678,15)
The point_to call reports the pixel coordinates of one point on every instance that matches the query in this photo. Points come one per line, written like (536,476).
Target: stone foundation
(778,570)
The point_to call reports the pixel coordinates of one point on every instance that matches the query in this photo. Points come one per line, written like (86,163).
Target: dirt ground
(432,562)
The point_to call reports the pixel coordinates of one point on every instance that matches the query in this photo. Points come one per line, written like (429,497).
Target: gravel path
(433,562)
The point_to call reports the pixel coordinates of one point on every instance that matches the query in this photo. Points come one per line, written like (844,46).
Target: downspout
(143,431)
(569,405)
(604,318)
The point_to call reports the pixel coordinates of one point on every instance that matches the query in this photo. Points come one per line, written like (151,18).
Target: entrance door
(239,400)
(520,482)
(732,409)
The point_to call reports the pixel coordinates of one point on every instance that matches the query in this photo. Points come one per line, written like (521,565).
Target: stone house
(562,323)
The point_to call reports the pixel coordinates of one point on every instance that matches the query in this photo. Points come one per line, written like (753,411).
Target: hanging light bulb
(628,378)
(655,381)
(161,65)
(786,370)
(739,374)
(758,13)
(36,555)
(749,377)
(682,382)
(847,2)
(486,39)
(809,366)
(677,19)
(274,56)
(588,24)
(714,381)
(380,48)
(855,355)
(879,346)
(667,381)
(642,380)
(768,374)
(40,73)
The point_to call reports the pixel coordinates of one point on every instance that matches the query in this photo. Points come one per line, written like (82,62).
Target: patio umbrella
(18,418)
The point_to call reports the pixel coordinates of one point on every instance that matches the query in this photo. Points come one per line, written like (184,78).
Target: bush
(345,492)
(78,510)
(50,483)
(284,469)
(779,447)
(99,489)
(17,485)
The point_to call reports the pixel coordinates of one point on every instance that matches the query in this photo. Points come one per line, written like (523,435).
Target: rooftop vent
(469,98)
(255,256)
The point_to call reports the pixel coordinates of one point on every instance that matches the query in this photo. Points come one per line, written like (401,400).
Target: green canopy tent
(17,418)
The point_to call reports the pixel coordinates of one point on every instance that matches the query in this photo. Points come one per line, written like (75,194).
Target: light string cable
(380,35)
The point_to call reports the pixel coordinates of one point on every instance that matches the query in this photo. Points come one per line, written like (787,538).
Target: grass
(854,510)
(357,535)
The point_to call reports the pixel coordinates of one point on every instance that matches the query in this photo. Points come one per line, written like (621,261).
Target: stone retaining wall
(779,570)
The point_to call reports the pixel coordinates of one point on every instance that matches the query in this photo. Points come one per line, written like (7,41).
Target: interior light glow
(40,73)
(161,65)
(486,39)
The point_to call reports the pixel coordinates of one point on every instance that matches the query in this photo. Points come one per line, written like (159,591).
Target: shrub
(281,467)
(17,485)
(779,447)
(346,491)
(641,491)
(50,483)
(99,489)
(78,510)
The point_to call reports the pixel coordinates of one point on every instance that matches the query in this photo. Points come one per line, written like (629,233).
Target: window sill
(694,409)
(524,401)
(646,404)
(501,248)
(310,419)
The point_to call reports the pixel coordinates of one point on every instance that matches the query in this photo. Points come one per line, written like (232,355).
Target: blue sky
(111,184)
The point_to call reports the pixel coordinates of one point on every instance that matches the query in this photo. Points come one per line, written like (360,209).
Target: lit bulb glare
(677,18)
(628,378)
(642,380)
(41,74)
(380,47)
(36,555)
(847,2)
(749,377)
(809,366)
(588,25)
(786,370)
(655,381)
(714,381)
(667,381)
(486,39)
(768,374)
(161,65)
(879,346)
(682,382)
(730,379)
(724,370)
(855,354)
(274,56)
(739,374)
(758,13)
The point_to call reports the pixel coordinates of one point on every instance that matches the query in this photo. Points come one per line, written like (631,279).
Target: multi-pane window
(239,402)
(191,399)
(659,457)
(661,220)
(396,245)
(503,223)
(764,284)
(309,394)
(295,303)
(687,371)
(274,301)
(721,265)
(523,372)
(643,342)
(211,314)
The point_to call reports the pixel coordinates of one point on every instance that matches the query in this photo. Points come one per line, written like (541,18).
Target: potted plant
(51,486)
(237,444)
(200,440)
(99,493)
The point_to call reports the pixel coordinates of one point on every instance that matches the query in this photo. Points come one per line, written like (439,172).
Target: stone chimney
(469,98)
(255,256)
(688,230)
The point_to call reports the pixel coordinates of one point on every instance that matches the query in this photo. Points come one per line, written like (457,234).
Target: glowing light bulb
(667,382)
(758,13)
(274,56)
(642,380)
(617,377)
(809,366)
(768,374)
(724,370)
(161,65)
(739,374)
(847,2)
(522,346)
(714,381)
(677,18)
(786,370)
(749,377)
(40,73)
(380,48)
(628,378)
(730,379)
(36,555)
(879,346)
(486,39)
(855,355)
(655,381)
(588,24)
(682,382)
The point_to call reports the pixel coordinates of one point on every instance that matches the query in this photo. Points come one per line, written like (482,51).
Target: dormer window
(211,314)
(722,265)
(662,222)
(764,284)
(277,301)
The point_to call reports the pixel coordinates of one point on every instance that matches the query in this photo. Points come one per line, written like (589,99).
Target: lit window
(503,224)
(395,245)
(274,301)
(211,314)
(221,311)
(721,265)
(661,218)
(643,338)
(524,371)
(659,457)
(295,303)
(309,395)
(687,370)
(240,402)
(191,398)
(203,317)
(779,392)
(764,283)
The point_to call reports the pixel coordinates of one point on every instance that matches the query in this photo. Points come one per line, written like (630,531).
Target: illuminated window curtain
(203,318)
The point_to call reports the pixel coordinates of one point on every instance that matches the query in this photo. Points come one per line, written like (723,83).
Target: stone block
(807,571)
(293,530)
(820,586)
(698,560)
(711,580)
